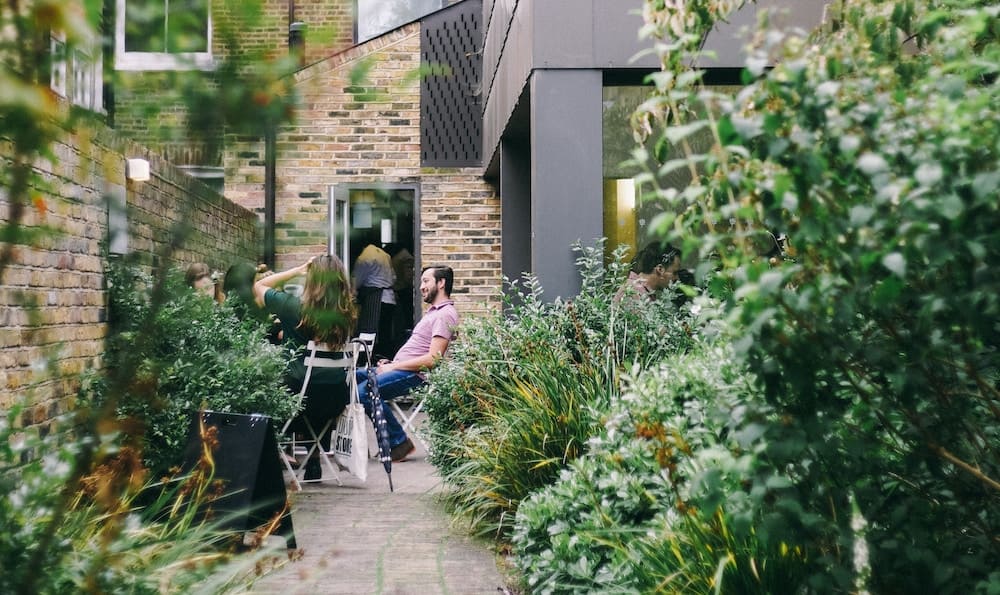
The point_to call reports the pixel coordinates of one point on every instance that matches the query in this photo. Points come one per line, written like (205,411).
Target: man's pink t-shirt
(439,321)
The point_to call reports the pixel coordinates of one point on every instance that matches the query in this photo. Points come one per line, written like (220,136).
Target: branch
(945,454)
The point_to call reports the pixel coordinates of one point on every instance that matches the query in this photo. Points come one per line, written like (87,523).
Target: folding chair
(408,418)
(318,355)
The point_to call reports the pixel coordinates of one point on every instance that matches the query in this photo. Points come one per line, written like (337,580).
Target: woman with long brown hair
(325,313)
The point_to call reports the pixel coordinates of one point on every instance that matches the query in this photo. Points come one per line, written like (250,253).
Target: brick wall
(52,298)
(330,30)
(340,138)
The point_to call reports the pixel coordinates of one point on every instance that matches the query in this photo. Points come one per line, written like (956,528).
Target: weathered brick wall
(330,30)
(341,139)
(52,298)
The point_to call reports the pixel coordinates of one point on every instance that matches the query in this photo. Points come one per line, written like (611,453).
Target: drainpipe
(297,41)
(296,46)
(270,145)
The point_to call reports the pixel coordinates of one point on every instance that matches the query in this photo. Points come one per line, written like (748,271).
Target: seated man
(421,352)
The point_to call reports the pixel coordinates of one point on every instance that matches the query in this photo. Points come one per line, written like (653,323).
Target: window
(76,72)
(163,35)
(627,214)
(375,17)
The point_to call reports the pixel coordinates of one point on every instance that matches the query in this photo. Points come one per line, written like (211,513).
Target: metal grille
(451,116)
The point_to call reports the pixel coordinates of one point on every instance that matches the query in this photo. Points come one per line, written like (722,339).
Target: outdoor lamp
(137,170)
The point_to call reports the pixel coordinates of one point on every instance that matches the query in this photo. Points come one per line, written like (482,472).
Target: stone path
(359,538)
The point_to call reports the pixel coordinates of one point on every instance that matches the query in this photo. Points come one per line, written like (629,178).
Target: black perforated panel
(451,115)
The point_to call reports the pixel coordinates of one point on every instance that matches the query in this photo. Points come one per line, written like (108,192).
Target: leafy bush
(640,513)
(524,390)
(70,521)
(189,353)
(875,148)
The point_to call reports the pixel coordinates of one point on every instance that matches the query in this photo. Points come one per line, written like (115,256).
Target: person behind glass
(325,313)
(426,346)
(373,281)
(199,278)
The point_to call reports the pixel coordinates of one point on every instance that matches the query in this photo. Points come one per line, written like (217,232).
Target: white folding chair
(318,355)
(408,418)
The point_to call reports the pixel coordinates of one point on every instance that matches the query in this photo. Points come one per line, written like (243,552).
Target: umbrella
(381,429)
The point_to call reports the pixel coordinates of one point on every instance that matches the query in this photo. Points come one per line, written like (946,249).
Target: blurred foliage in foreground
(71,516)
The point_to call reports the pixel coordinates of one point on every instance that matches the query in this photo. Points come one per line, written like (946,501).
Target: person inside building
(373,279)
(325,313)
(422,351)
(402,267)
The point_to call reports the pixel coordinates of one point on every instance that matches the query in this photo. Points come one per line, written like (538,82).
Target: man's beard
(431,295)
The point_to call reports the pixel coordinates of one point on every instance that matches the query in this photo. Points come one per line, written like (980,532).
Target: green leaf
(896,263)
(861,215)
(675,134)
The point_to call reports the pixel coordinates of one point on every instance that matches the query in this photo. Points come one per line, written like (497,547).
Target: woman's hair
(196,271)
(654,254)
(328,311)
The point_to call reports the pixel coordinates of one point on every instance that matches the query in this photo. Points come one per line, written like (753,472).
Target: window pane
(187,26)
(375,17)
(627,215)
(144,26)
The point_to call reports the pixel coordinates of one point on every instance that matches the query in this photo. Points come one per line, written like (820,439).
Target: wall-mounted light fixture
(137,170)
(386,231)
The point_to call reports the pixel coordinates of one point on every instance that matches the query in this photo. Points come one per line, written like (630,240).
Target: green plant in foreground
(640,511)
(875,146)
(67,529)
(189,354)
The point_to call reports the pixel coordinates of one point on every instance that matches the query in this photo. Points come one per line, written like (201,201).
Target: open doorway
(378,221)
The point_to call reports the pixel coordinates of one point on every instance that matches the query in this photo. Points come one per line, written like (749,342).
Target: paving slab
(359,538)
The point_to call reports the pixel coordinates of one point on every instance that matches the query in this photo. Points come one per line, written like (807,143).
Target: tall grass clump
(526,387)
(640,513)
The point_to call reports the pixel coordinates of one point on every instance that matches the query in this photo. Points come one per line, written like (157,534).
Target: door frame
(338,199)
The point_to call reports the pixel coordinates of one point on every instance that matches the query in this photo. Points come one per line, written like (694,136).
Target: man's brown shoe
(402,450)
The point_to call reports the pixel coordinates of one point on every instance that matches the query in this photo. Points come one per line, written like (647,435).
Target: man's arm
(425,362)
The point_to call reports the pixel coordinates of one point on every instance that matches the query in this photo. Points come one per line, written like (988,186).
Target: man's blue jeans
(390,385)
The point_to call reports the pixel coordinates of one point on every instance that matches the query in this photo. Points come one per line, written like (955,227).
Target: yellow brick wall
(53,306)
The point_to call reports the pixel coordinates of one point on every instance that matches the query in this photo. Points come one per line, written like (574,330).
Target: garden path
(359,538)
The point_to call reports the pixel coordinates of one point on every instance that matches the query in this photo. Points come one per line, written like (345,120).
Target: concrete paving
(359,538)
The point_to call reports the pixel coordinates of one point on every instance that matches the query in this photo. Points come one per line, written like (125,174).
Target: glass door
(383,217)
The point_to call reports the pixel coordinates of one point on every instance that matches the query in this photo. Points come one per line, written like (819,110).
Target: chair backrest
(364,343)
(321,355)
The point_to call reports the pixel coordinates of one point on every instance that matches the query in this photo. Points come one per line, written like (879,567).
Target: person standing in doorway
(373,280)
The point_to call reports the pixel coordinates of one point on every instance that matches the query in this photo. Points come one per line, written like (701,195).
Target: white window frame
(77,74)
(141,61)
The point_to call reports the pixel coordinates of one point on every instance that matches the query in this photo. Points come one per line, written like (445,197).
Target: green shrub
(187,354)
(71,521)
(525,388)
(640,511)
(875,146)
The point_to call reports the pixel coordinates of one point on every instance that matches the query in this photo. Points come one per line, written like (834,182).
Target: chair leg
(408,419)
(312,447)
